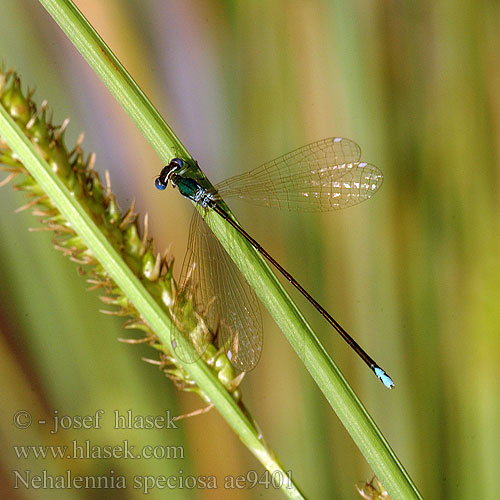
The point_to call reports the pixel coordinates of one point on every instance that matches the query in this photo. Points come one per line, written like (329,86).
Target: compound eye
(159,184)
(178,162)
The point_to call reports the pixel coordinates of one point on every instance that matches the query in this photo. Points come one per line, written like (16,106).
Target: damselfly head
(161,182)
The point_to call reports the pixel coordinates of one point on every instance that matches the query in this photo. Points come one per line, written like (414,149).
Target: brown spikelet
(152,268)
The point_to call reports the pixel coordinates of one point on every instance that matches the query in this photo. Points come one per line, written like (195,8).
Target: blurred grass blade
(319,364)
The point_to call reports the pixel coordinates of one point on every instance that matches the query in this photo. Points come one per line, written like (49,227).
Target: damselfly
(325,175)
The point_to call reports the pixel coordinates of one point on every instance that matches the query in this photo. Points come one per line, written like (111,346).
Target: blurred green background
(414,273)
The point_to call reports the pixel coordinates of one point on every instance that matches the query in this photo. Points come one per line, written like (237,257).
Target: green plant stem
(130,285)
(319,364)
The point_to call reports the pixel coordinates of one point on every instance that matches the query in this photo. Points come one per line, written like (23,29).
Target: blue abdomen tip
(384,378)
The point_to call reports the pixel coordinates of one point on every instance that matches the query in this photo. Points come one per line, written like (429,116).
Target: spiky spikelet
(374,490)
(153,269)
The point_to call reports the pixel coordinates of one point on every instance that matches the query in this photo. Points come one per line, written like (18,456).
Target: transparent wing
(325,175)
(231,306)
(184,321)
